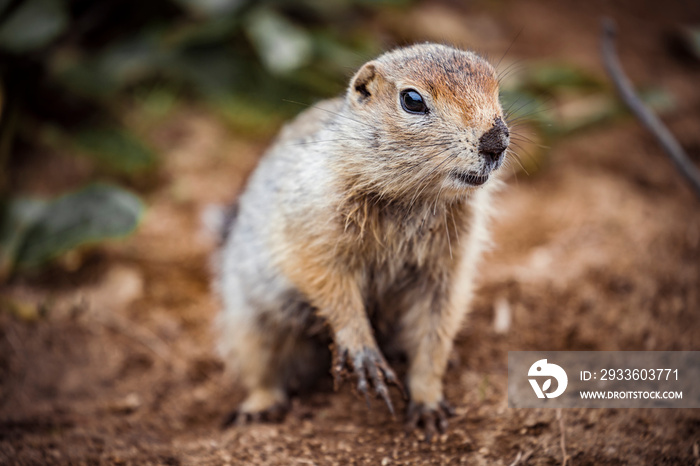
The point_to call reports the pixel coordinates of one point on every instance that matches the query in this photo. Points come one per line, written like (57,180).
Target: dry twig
(562,438)
(642,112)
(522,458)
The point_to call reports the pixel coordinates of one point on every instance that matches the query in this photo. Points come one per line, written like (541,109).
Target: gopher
(361,229)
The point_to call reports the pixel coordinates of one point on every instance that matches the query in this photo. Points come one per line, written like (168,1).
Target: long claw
(391,378)
(383,393)
(431,420)
(412,417)
(441,421)
(339,366)
(380,387)
(370,368)
(362,383)
(447,408)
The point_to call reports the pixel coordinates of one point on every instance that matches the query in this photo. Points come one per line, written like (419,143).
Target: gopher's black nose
(494,142)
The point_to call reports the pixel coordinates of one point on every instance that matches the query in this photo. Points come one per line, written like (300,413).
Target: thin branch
(641,111)
(562,439)
(517,459)
(522,458)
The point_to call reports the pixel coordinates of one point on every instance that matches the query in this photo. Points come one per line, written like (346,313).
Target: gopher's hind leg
(269,362)
(255,360)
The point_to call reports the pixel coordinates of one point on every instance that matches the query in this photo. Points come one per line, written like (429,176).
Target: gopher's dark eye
(412,101)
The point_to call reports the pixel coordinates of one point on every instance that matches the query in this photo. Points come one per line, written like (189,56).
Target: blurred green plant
(34,231)
(70,68)
(552,100)
(72,63)
(690,40)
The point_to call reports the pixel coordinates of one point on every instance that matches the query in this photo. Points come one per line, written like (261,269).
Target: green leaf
(691,37)
(16,217)
(553,76)
(524,105)
(394,3)
(282,46)
(115,67)
(33,25)
(253,117)
(116,148)
(659,99)
(93,214)
(211,71)
(211,8)
(4,4)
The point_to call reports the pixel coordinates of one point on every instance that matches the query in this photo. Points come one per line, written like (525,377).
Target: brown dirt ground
(597,251)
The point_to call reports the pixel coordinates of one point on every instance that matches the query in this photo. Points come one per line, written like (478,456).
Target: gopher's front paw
(369,365)
(430,419)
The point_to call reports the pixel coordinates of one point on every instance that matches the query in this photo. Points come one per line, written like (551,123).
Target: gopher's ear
(366,82)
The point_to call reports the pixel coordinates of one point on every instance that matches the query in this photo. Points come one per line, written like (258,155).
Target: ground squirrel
(364,222)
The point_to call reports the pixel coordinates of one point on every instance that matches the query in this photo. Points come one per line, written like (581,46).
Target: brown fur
(371,230)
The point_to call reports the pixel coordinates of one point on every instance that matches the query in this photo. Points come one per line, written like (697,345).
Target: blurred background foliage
(70,68)
(69,65)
